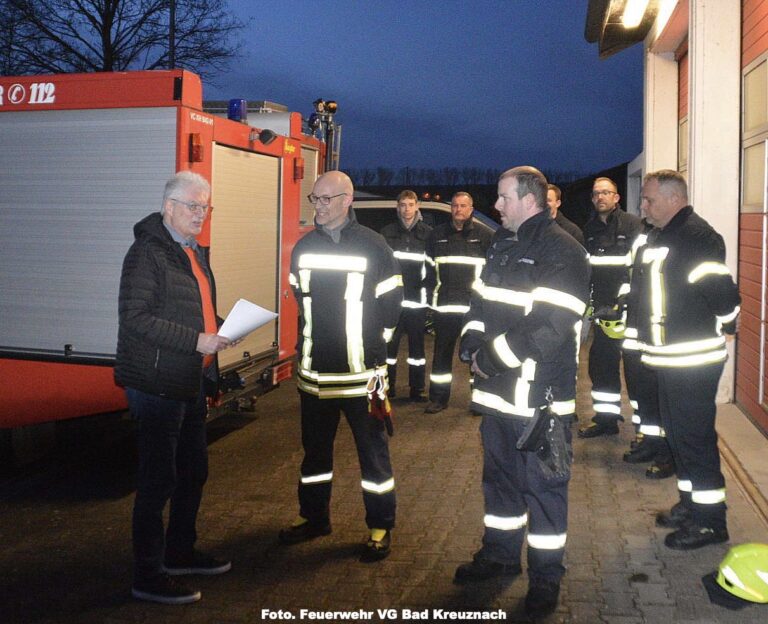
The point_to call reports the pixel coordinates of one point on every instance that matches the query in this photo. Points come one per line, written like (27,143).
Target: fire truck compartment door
(73,184)
(244,240)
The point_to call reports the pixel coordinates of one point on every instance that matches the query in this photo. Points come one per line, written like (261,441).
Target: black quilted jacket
(160,316)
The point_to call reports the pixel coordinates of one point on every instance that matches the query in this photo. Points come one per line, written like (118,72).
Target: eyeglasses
(192,206)
(603,193)
(323,199)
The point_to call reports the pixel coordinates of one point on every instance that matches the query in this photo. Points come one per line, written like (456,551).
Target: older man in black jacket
(166,359)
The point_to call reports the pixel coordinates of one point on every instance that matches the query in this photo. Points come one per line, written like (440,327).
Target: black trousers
(687,405)
(319,422)
(648,414)
(412,322)
(173,465)
(447,331)
(605,356)
(513,486)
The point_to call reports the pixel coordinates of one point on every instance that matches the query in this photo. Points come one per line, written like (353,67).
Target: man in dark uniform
(521,337)
(684,299)
(408,239)
(456,252)
(608,237)
(349,289)
(650,444)
(554,201)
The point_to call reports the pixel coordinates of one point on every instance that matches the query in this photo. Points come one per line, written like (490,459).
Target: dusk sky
(436,83)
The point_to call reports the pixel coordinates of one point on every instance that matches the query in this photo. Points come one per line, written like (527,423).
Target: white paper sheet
(243,319)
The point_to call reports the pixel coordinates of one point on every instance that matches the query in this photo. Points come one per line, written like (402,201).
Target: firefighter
(349,290)
(686,302)
(554,201)
(166,359)
(650,444)
(456,253)
(608,235)
(521,337)
(408,238)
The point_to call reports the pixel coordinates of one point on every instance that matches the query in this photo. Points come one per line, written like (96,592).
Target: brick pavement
(65,529)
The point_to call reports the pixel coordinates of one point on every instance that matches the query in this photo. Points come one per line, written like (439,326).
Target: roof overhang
(606,24)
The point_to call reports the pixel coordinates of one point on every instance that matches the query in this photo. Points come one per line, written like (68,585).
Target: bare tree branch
(114,35)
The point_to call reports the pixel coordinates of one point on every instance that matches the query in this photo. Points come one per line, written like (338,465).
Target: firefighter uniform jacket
(349,295)
(525,320)
(409,246)
(682,296)
(457,257)
(570,227)
(609,246)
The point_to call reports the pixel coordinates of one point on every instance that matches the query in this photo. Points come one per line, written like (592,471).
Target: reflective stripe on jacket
(682,296)
(525,317)
(349,295)
(457,257)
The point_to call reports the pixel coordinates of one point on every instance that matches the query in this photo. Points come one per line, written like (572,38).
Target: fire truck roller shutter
(245,229)
(74,183)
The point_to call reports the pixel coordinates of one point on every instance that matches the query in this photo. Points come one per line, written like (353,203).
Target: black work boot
(675,518)
(482,569)
(643,452)
(541,598)
(596,430)
(692,536)
(298,533)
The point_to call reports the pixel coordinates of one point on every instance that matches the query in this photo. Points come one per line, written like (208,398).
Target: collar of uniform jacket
(678,220)
(528,230)
(469,225)
(596,220)
(351,219)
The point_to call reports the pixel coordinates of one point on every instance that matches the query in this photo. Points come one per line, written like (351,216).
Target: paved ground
(65,529)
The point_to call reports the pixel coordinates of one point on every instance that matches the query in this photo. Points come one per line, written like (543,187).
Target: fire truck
(83,157)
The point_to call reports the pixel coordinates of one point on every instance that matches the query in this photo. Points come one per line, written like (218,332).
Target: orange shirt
(209,314)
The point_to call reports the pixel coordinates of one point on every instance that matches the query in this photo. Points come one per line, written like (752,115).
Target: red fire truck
(83,157)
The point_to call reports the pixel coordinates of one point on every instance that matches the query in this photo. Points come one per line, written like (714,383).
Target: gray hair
(184,180)
(669,180)
(529,180)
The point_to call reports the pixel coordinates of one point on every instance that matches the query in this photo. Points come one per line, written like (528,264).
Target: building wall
(754,32)
(751,365)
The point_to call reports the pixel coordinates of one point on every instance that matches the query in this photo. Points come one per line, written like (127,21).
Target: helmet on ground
(741,579)
(613,329)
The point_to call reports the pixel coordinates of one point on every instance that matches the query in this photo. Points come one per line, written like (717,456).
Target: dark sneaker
(482,569)
(675,518)
(434,407)
(641,453)
(692,536)
(165,590)
(195,563)
(304,532)
(541,598)
(599,429)
(660,470)
(416,395)
(376,550)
